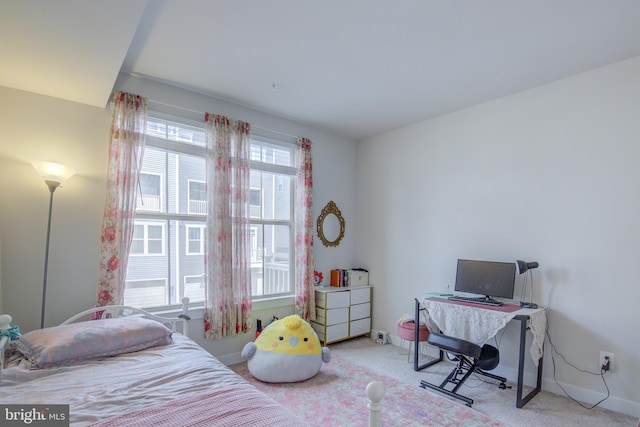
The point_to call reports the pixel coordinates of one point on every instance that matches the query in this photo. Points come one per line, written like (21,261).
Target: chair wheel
(502,386)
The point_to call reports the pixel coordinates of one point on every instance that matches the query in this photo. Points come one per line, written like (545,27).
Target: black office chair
(471,358)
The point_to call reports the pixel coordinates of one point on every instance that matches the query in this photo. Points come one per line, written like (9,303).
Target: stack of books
(339,278)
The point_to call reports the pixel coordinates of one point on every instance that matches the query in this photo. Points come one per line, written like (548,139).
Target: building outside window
(168,246)
(195,240)
(197,197)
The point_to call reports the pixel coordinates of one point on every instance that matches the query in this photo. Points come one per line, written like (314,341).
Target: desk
(477,323)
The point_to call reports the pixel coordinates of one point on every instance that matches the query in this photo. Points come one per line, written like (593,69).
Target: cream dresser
(342,313)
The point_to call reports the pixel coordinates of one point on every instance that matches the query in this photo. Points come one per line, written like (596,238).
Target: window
(195,240)
(170,222)
(169,227)
(148,239)
(272,218)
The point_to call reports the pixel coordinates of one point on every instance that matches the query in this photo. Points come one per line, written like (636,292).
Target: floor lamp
(53,174)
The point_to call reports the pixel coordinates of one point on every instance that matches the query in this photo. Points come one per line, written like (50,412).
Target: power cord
(553,362)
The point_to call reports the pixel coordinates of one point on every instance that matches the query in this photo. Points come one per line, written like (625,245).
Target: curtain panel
(305,305)
(227,257)
(125,159)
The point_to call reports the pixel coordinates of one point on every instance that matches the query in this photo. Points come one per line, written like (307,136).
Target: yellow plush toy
(288,350)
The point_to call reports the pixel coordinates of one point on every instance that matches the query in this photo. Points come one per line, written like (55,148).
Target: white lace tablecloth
(478,325)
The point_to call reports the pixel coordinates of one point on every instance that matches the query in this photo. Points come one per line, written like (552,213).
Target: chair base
(464,368)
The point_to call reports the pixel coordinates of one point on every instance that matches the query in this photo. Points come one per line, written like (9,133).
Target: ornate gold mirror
(330,225)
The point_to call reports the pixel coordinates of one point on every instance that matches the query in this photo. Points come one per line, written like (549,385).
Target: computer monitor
(488,278)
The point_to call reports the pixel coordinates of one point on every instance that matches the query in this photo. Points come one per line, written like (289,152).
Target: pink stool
(407,331)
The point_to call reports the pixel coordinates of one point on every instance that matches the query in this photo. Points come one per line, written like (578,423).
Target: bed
(132,368)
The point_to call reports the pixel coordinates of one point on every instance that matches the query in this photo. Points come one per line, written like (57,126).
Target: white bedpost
(375,393)
(185,316)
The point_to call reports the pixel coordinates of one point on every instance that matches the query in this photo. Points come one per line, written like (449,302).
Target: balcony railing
(276,279)
(146,202)
(198,207)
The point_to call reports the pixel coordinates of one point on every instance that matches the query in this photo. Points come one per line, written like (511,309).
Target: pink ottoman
(406,332)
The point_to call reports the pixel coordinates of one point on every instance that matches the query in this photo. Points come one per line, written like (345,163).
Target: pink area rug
(336,397)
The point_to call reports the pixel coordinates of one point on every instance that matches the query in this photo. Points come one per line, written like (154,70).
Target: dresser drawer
(332,299)
(360,327)
(333,333)
(360,311)
(360,296)
(333,316)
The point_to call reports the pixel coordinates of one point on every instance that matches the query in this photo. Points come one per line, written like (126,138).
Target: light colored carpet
(545,409)
(336,397)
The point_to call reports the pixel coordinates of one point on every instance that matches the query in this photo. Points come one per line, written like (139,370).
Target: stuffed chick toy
(288,350)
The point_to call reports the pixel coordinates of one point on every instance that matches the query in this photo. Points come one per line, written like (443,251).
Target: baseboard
(589,397)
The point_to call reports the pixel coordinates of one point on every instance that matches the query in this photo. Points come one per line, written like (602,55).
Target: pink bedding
(242,405)
(177,380)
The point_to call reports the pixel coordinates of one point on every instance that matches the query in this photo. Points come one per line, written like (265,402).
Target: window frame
(181,147)
(277,170)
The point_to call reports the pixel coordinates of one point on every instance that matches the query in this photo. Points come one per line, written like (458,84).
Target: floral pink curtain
(304,287)
(227,259)
(125,159)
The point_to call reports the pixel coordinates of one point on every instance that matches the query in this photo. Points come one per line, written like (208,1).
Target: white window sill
(196,310)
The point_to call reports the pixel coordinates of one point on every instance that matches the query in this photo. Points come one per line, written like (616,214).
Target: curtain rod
(188,110)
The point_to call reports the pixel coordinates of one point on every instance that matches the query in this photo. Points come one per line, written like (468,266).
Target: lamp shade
(522,266)
(53,172)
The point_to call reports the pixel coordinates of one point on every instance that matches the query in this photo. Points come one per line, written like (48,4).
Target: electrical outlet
(603,356)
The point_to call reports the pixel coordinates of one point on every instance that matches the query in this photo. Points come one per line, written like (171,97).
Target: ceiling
(357,67)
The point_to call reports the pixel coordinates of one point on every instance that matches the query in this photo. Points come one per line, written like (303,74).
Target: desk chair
(471,358)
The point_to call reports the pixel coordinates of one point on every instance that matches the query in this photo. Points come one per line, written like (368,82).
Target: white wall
(548,175)
(43,128)
(38,127)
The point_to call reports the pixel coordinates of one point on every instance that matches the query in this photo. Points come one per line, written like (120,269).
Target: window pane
(271,153)
(176,132)
(137,244)
(180,173)
(137,247)
(166,273)
(150,184)
(146,293)
(155,247)
(197,190)
(275,195)
(153,169)
(190,261)
(188,178)
(155,232)
(194,288)
(271,255)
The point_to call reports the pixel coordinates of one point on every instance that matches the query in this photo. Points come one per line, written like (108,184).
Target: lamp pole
(52,188)
(53,174)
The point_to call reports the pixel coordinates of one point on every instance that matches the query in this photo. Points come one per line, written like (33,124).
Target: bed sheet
(98,390)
